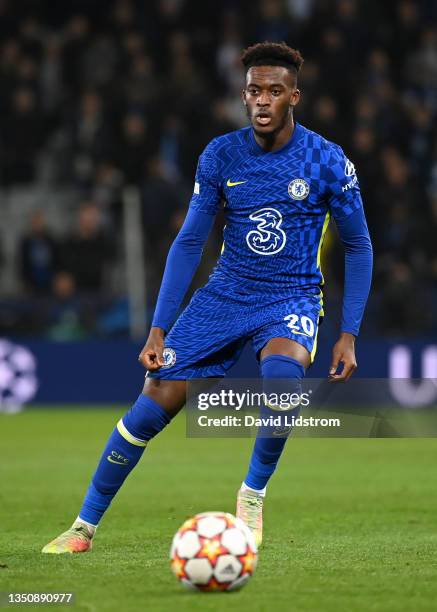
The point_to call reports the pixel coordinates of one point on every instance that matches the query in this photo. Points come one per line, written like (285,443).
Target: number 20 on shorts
(300,325)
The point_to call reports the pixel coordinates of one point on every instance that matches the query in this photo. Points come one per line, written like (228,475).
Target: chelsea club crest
(298,189)
(169,356)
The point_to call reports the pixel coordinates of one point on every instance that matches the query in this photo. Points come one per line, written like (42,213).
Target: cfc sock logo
(115,457)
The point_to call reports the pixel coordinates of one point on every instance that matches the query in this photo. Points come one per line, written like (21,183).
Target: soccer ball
(213,551)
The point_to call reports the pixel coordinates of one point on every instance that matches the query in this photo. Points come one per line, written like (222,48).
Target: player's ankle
(91,529)
(244,487)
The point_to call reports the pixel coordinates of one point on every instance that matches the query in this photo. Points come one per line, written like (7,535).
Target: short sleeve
(207,191)
(343,190)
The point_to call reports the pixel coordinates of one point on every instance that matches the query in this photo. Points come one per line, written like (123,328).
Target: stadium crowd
(97,95)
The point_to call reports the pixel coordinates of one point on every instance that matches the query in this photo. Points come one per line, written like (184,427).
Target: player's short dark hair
(272,54)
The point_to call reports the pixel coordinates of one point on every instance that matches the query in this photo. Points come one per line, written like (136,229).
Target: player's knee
(281,375)
(281,366)
(170,395)
(145,419)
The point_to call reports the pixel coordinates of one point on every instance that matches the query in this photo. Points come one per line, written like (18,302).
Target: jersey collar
(255,148)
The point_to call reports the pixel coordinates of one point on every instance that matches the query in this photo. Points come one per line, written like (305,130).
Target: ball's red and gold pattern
(213,551)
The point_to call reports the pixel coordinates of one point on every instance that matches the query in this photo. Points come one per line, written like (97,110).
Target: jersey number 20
(300,325)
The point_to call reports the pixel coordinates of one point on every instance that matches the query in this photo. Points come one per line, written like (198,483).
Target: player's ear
(295,97)
(243,97)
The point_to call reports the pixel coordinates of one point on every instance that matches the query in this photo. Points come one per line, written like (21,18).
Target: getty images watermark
(281,421)
(228,398)
(277,413)
(375,408)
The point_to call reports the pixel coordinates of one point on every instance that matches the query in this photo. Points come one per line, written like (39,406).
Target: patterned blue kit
(267,282)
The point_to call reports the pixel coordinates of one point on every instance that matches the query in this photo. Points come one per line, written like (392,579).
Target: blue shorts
(209,336)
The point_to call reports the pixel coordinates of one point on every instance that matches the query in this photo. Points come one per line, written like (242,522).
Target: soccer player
(280,184)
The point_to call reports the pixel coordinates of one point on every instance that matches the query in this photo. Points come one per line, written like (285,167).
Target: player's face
(269,97)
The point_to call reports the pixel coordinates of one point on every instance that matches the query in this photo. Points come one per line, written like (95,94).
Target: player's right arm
(184,256)
(182,262)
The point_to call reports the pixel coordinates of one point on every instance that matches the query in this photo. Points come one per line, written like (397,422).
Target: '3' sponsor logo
(268,238)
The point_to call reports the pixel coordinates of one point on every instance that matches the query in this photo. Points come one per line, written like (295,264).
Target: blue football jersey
(277,208)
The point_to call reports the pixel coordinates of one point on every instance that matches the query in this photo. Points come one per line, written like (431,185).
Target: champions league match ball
(213,551)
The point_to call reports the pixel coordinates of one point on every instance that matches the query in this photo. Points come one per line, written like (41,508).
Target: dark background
(96,95)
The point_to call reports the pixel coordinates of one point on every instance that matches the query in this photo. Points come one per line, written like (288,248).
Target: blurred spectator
(9,59)
(31,36)
(64,323)
(123,16)
(325,118)
(422,64)
(76,39)
(87,252)
(134,147)
(229,67)
(273,23)
(394,198)
(23,135)
(407,34)
(161,198)
(142,88)
(38,256)
(401,316)
(100,62)
(335,66)
(177,144)
(221,120)
(91,137)
(300,10)
(106,192)
(352,29)
(51,78)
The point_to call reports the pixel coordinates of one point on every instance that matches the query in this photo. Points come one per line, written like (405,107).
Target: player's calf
(281,374)
(124,449)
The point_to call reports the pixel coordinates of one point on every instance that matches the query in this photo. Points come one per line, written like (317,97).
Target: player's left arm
(347,209)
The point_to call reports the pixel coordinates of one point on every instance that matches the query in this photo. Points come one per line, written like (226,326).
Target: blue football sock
(268,448)
(123,451)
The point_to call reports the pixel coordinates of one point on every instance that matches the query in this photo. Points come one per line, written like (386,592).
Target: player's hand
(151,356)
(343,352)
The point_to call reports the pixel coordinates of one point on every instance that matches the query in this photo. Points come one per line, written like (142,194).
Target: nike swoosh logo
(301,333)
(231,184)
(282,431)
(111,460)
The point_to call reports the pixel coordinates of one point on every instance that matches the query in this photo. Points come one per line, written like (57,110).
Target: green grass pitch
(350,524)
